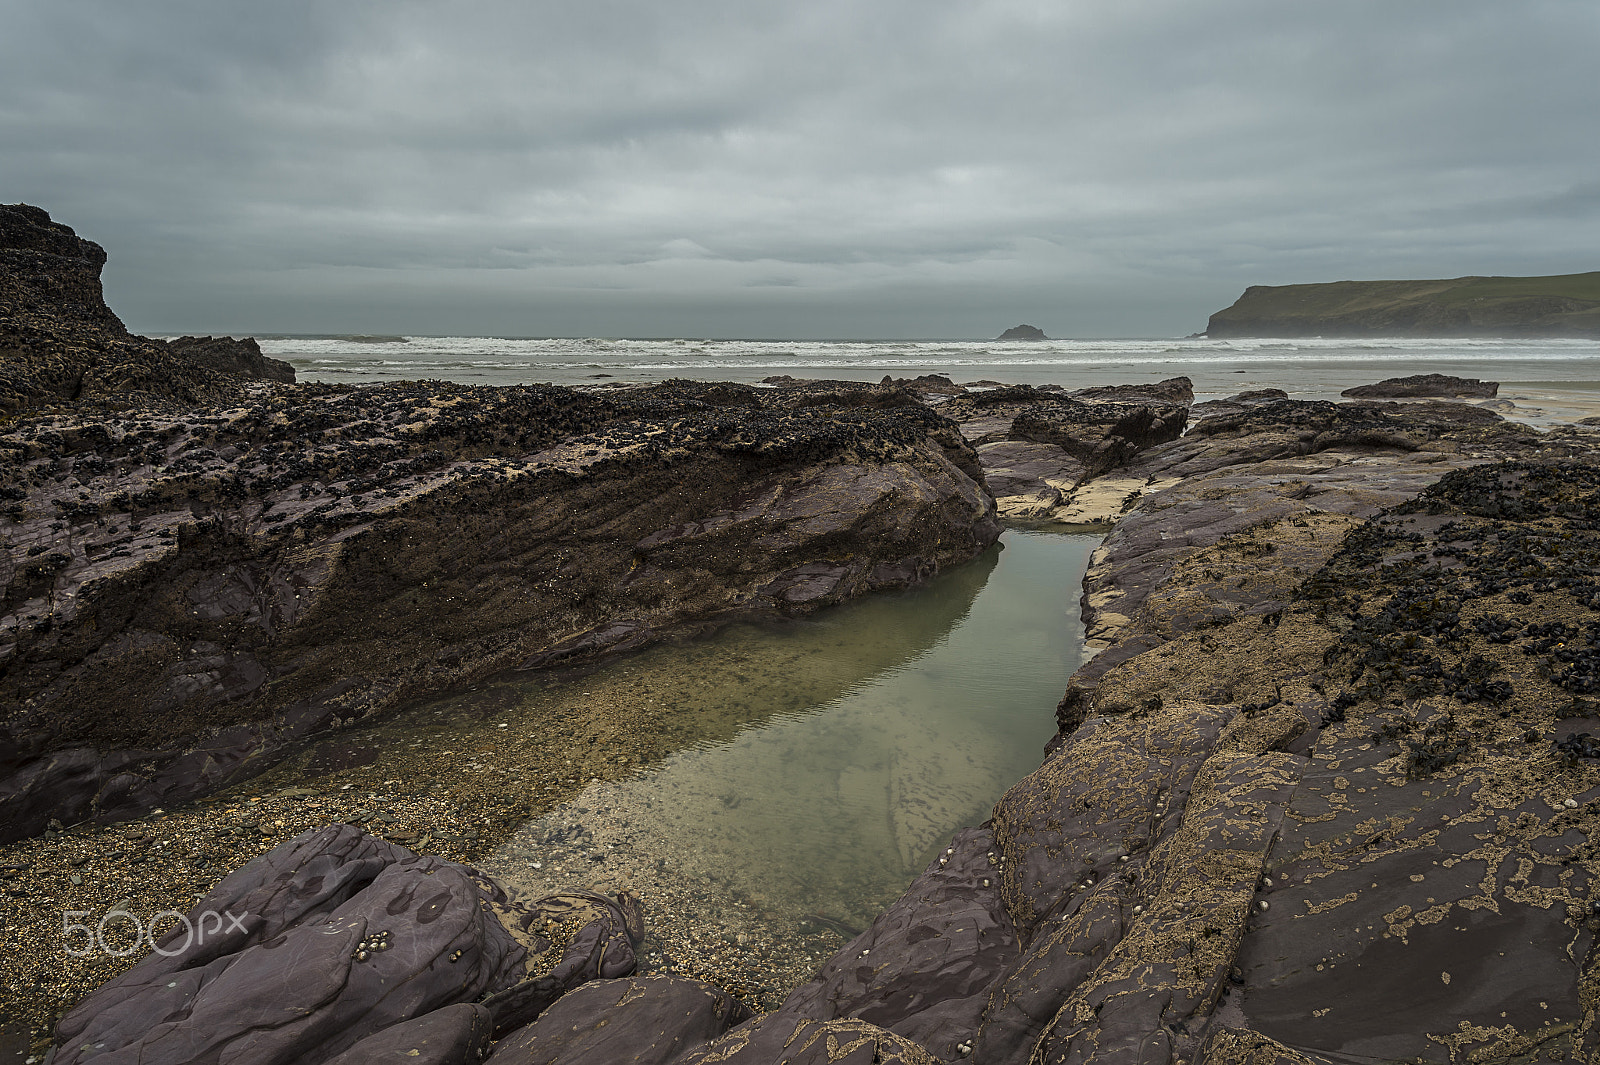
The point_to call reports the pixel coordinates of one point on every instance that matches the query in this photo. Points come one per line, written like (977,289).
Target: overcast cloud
(885,168)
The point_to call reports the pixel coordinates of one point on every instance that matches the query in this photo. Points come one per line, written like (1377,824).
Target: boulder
(931,384)
(241,358)
(1426,386)
(1179,390)
(1236,403)
(337,945)
(1101,435)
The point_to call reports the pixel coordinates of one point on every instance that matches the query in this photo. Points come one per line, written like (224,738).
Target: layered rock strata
(185,594)
(1251,502)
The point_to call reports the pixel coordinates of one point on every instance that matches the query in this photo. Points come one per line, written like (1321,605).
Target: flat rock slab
(454,1035)
(925,968)
(1426,385)
(643,1020)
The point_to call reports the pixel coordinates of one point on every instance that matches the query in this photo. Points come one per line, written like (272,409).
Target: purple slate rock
(305,878)
(322,942)
(782,1039)
(1112,790)
(642,1020)
(1150,1000)
(925,967)
(455,1035)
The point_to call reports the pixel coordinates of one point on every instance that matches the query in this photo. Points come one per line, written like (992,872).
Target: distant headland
(1563,305)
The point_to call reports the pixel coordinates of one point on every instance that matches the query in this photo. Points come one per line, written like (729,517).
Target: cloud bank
(831,169)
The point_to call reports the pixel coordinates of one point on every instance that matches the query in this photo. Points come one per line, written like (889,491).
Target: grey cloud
(305,165)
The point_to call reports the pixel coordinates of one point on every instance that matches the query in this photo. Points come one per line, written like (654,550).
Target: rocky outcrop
(1426,386)
(61,345)
(200,572)
(1408,727)
(1249,503)
(1236,403)
(1023,332)
(1562,305)
(929,383)
(186,594)
(240,358)
(1053,456)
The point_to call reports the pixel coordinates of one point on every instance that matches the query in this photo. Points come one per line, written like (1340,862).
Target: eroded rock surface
(644,1020)
(1250,503)
(1428,891)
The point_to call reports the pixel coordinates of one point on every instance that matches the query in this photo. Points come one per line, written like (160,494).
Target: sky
(754,168)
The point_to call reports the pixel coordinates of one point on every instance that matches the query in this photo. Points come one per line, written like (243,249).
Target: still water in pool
(839,753)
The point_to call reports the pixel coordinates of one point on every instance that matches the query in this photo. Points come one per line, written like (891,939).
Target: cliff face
(60,343)
(47,270)
(1566,305)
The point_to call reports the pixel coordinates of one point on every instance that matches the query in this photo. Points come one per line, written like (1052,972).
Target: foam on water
(1307,368)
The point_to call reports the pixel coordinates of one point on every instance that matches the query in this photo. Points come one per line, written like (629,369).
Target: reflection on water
(870,734)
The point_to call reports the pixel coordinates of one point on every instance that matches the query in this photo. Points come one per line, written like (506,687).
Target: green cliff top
(1559,305)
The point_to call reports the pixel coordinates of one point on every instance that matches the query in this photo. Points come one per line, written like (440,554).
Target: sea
(1308,368)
